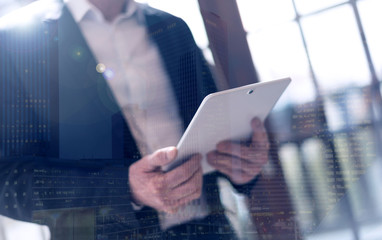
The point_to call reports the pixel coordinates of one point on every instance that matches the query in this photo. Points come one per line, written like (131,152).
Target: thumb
(161,157)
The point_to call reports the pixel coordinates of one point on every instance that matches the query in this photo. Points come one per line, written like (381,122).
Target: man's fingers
(183,172)
(170,199)
(242,161)
(259,143)
(160,158)
(240,171)
(192,185)
(241,150)
(220,161)
(238,176)
(183,201)
(172,204)
(259,136)
(256,124)
(237,150)
(165,191)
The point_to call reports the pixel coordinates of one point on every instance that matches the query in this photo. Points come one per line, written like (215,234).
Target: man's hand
(241,162)
(168,191)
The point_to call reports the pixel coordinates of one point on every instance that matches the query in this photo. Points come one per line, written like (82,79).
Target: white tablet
(227,115)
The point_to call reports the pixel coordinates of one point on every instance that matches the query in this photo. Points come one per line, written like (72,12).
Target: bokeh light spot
(101,68)
(108,74)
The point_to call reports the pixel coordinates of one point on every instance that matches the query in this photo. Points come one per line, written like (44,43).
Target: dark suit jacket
(60,124)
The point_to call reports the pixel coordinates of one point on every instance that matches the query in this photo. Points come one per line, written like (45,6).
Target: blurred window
(321,46)
(7,6)
(371,16)
(317,43)
(277,52)
(335,49)
(256,14)
(309,6)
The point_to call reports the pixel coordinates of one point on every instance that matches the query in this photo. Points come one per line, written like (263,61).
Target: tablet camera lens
(250,92)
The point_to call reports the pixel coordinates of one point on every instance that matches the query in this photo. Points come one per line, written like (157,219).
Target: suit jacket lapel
(190,77)
(168,35)
(87,106)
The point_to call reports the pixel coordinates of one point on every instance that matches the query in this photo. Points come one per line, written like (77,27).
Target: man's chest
(133,69)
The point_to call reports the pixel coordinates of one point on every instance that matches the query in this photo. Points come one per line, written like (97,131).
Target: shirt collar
(83,8)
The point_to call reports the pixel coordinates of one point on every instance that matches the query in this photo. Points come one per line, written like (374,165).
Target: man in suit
(90,81)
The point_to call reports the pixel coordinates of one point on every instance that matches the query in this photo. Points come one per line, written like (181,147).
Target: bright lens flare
(101,68)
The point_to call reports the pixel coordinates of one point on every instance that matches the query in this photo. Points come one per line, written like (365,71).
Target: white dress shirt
(133,68)
(134,71)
